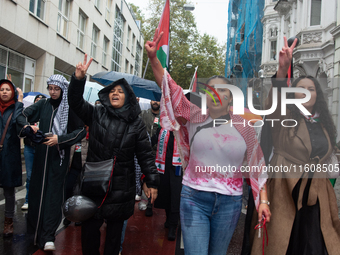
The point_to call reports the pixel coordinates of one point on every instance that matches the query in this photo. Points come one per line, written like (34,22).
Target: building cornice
(274,16)
(335,31)
(283,7)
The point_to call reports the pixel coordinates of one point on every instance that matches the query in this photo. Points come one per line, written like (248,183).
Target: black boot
(172,232)
(66,222)
(148,211)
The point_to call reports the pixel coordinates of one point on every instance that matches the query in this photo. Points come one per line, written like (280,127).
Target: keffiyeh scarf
(174,104)
(61,119)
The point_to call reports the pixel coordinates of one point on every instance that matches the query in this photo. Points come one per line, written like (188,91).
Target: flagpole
(146,67)
(193,79)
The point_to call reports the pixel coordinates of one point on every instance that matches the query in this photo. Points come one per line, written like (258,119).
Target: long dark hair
(320,106)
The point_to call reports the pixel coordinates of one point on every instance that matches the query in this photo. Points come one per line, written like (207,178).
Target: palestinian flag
(163,45)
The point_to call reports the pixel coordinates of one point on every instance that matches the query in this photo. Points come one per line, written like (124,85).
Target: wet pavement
(144,235)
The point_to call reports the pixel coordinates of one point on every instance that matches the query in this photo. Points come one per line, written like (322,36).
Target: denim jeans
(29,157)
(208,221)
(123,235)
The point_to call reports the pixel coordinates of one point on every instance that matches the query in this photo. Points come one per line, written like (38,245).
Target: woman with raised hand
(115,130)
(10,153)
(303,203)
(211,201)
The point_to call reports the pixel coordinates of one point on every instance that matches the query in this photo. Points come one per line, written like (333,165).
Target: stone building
(39,38)
(314,23)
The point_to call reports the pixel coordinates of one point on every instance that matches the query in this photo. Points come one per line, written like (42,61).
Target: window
(138,58)
(128,38)
(105,48)
(126,66)
(131,69)
(117,41)
(81,30)
(273,50)
(133,43)
(273,32)
(21,68)
(315,14)
(108,10)
(63,15)
(95,33)
(37,7)
(97,4)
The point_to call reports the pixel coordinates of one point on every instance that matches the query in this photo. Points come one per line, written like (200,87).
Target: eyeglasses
(55,89)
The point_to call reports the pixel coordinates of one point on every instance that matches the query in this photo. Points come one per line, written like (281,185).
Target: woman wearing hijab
(10,155)
(115,130)
(50,160)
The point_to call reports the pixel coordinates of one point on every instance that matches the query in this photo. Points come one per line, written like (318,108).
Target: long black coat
(106,133)
(48,173)
(10,156)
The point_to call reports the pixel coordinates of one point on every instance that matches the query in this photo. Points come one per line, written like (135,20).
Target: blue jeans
(29,157)
(208,221)
(123,235)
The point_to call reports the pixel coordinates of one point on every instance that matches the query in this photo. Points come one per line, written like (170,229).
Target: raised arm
(76,101)
(151,49)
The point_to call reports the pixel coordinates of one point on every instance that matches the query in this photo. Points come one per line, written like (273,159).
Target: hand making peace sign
(285,58)
(151,47)
(81,68)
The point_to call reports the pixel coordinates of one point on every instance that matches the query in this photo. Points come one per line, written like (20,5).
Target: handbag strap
(113,167)
(5,131)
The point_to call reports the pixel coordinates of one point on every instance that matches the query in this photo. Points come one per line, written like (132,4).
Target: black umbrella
(141,87)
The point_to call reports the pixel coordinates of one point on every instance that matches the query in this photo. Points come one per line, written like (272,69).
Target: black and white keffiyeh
(61,119)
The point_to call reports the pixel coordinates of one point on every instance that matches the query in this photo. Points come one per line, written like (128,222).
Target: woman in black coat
(10,155)
(113,124)
(51,160)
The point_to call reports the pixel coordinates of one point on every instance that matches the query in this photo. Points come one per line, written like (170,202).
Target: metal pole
(261,97)
(146,67)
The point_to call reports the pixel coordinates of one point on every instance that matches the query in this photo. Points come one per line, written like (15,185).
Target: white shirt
(214,154)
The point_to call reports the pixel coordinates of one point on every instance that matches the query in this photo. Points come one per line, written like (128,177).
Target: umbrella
(29,98)
(142,87)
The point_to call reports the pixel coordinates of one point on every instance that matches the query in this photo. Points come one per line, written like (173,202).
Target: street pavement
(18,243)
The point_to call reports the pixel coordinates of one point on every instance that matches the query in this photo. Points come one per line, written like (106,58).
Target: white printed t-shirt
(215,150)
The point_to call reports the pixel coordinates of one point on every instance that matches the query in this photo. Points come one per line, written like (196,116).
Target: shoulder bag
(96,180)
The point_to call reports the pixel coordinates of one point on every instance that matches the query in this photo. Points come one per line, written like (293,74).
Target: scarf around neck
(61,118)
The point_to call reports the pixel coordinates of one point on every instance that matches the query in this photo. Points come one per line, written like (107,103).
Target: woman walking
(303,204)
(211,201)
(51,160)
(10,154)
(115,130)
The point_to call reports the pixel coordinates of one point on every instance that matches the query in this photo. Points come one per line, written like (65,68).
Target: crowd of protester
(156,154)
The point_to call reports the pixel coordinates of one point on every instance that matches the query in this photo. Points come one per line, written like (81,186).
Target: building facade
(39,38)
(336,94)
(313,22)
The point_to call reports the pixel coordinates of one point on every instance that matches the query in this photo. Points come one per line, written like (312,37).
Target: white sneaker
(49,246)
(24,206)
(138,198)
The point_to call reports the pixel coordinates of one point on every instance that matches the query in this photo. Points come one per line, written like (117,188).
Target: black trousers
(90,236)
